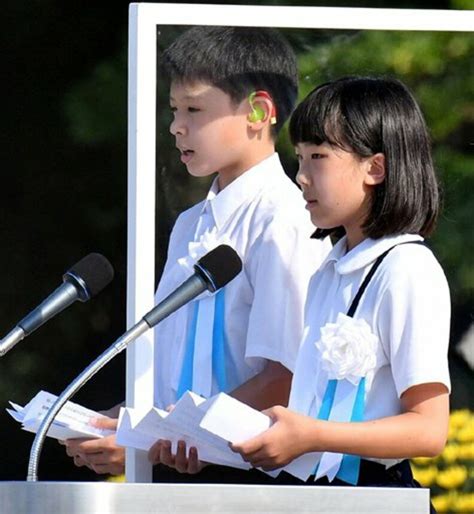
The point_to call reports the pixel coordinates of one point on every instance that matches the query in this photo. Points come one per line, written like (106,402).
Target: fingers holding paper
(103,455)
(283,442)
(161,453)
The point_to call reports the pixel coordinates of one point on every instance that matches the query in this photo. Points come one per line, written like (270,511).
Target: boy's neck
(226,177)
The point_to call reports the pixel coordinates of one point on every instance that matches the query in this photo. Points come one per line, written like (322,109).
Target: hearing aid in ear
(258,114)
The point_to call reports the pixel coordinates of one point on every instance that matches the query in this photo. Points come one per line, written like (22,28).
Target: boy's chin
(198,172)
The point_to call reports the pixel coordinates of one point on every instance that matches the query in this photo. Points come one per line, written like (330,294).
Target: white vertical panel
(143,19)
(141,219)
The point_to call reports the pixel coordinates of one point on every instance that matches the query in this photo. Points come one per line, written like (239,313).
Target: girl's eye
(317,156)
(298,157)
(193,109)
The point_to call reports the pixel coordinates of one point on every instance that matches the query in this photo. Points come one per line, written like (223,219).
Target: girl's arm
(421,430)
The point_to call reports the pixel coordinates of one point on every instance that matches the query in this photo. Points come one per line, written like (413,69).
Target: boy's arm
(272,384)
(279,267)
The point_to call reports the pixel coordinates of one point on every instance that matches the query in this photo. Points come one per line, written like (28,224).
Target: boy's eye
(173,109)
(193,109)
(317,156)
(298,157)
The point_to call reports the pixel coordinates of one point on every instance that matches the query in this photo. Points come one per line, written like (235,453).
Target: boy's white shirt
(407,306)
(262,216)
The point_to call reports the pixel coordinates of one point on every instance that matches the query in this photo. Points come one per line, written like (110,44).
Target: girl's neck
(355,236)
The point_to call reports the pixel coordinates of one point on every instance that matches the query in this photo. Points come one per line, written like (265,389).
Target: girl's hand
(285,440)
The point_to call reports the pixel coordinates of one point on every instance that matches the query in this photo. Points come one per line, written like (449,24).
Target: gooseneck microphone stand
(212,272)
(75,385)
(191,288)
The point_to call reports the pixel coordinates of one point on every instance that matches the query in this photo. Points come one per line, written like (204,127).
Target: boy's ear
(376,171)
(262,110)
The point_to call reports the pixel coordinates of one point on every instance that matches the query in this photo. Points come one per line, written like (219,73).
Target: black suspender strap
(370,274)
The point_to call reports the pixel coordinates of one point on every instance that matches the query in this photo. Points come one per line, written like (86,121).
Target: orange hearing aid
(258,114)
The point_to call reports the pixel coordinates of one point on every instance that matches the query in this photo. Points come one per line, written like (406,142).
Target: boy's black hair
(237,60)
(368,115)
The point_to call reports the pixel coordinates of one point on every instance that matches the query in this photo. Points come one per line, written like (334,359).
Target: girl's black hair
(368,115)
(238,60)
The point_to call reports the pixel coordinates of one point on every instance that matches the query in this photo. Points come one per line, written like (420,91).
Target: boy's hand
(160,453)
(100,455)
(280,444)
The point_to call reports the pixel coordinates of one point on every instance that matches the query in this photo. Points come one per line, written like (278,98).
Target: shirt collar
(364,253)
(222,204)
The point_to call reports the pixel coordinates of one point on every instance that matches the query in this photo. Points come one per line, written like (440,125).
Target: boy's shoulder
(190,214)
(282,201)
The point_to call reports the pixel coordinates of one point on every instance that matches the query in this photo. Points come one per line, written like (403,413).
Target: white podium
(111,498)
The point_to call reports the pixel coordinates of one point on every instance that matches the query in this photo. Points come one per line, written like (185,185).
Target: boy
(231,91)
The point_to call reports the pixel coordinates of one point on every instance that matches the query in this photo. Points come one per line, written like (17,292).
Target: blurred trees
(64,189)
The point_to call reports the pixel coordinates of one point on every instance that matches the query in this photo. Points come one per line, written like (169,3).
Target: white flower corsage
(197,249)
(347,348)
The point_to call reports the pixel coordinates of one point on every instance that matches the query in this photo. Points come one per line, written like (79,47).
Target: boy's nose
(177,127)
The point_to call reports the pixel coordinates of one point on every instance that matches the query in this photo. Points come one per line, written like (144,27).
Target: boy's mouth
(186,155)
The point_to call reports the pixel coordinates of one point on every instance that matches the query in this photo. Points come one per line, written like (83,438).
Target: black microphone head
(219,266)
(90,275)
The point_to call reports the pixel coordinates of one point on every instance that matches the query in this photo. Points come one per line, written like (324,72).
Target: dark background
(64,195)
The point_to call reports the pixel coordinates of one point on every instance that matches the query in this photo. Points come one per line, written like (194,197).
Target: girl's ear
(376,172)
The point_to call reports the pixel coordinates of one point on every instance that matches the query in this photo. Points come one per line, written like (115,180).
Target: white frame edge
(143,20)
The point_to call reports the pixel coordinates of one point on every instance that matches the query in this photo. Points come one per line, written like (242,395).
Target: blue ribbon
(218,342)
(350,465)
(218,347)
(186,378)
(326,406)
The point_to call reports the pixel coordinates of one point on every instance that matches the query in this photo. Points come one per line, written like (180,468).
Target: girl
(371,383)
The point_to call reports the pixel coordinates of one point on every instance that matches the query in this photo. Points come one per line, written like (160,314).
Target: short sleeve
(281,265)
(414,318)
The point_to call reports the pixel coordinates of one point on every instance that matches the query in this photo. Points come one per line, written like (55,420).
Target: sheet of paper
(182,424)
(303,467)
(72,420)
(233,421)
(209,425)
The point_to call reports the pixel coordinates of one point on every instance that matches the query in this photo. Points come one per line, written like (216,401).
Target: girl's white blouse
(407,306)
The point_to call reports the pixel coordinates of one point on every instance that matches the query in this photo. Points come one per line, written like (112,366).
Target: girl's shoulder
(412,266)
(412,257)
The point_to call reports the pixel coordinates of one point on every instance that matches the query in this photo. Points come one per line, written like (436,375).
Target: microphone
(83,281)
(212,272)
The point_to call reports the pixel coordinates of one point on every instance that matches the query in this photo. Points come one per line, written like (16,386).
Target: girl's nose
(302,177)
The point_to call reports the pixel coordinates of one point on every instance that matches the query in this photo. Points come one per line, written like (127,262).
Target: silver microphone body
(83,281)
(62,297)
